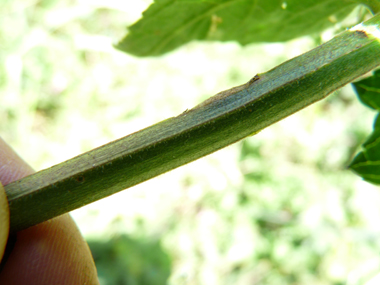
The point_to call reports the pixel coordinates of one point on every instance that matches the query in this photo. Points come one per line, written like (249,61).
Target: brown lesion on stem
(254,78)
(223,94)
(361,33)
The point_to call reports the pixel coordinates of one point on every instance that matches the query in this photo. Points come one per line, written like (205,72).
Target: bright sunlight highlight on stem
(368,29)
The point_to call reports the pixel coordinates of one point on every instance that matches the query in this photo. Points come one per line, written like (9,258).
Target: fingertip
(53,252)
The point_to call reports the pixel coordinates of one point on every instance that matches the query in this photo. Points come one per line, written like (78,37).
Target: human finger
(53,252)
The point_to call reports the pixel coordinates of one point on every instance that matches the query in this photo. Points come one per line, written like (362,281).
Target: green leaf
(367,163)
(368,170)
(168,24)
(376,123)
(368,91)
(372,149)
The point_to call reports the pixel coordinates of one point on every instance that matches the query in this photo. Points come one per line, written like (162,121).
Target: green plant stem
(373,5)
(218,122)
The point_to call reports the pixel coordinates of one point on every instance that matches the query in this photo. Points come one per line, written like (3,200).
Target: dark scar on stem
(253,79)
(361,33)
(225,93)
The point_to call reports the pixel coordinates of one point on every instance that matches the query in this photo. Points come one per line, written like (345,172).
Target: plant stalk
(218,122)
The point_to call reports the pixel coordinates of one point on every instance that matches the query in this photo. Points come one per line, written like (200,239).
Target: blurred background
(276,208)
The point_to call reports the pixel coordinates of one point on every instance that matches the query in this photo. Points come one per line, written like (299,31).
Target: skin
(53,252)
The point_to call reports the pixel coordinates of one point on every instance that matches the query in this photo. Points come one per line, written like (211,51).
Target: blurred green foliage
(277,208)
(123,260)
